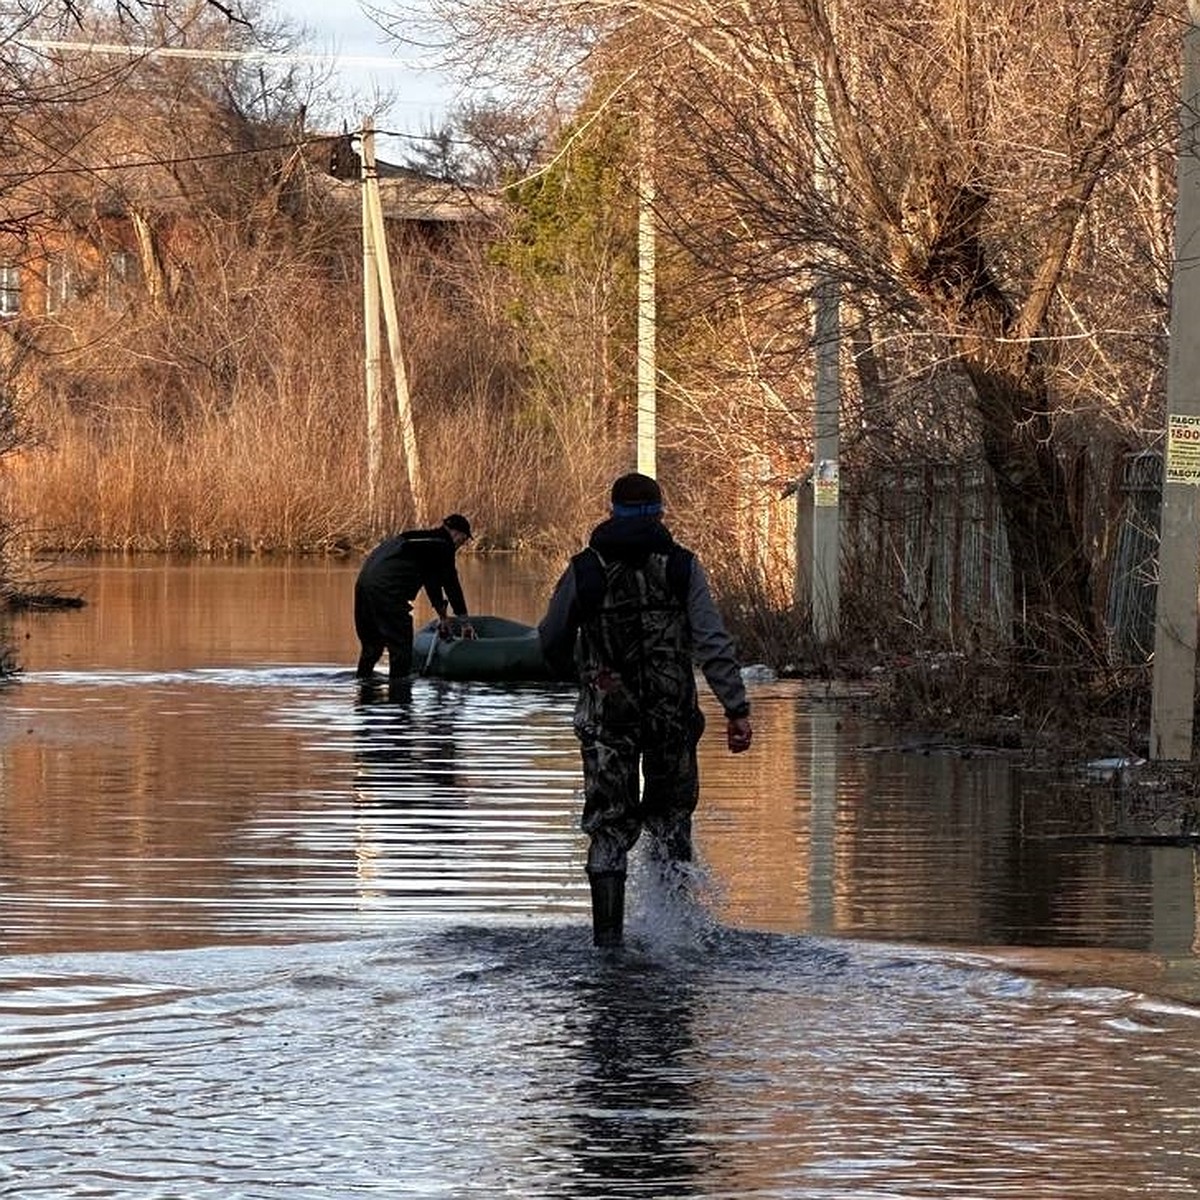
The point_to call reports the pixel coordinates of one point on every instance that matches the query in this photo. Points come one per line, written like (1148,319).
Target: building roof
(418,198)
(405,194)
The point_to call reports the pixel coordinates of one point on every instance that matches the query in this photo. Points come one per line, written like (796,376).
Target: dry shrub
(1000,702)
(233,418)
(766,626)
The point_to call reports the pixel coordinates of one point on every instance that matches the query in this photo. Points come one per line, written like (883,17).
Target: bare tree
(974,172)
(136,10)
(482,144)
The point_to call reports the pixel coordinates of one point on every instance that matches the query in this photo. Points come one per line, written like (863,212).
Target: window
(10,290)
(122,273)
(60,284)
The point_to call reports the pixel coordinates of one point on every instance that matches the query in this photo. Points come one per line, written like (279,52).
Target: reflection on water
(267,934)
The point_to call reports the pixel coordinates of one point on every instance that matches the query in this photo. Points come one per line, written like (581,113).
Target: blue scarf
(637,510)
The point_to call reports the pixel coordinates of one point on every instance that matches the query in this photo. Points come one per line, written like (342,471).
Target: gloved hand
(738,734)
(606,680)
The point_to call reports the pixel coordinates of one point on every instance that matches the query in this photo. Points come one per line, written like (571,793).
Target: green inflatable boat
(501,650)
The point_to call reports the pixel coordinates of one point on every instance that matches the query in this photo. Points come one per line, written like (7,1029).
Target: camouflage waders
(637,715)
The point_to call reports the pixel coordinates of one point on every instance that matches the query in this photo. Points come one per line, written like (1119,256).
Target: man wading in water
(629,617)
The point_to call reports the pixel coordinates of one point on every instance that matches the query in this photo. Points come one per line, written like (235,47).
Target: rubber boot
(608,907)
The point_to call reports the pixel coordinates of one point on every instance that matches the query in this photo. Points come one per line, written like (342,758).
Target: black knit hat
(458,523)
(635,490)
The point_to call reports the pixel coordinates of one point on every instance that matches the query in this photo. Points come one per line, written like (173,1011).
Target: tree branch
(1089,165)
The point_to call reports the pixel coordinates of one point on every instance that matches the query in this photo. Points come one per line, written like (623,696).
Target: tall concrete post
(647,324)
(1174,685)
(826,516)
(824,566)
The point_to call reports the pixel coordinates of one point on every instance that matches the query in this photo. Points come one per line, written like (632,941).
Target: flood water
(265,936)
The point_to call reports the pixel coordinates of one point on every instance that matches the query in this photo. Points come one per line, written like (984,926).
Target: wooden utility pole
(1174,686)
(647,332)
(373,221)
(372,360)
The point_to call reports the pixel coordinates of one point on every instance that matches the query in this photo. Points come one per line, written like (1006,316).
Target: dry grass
(282,475)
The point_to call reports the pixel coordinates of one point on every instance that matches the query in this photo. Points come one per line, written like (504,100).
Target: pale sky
(367,62)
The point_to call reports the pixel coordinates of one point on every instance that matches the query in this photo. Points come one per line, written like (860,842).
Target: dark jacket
(631,554)
(415,559)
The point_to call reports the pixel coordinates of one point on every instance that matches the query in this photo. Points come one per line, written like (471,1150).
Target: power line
(117,48)
(183,160)
(314,139)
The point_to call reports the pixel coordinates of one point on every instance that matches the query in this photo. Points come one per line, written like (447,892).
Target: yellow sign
(1183,449)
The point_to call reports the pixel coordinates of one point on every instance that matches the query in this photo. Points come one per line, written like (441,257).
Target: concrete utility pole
(818,532)
(826,526)
(1173,693)
(647,335)
(373,212)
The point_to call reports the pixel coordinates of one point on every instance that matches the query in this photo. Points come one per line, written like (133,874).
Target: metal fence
(926,542)
(1133,581)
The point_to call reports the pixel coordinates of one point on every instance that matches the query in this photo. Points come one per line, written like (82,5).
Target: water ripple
(517,1060)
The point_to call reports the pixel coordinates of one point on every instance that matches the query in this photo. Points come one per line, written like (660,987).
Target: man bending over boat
(388,583)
